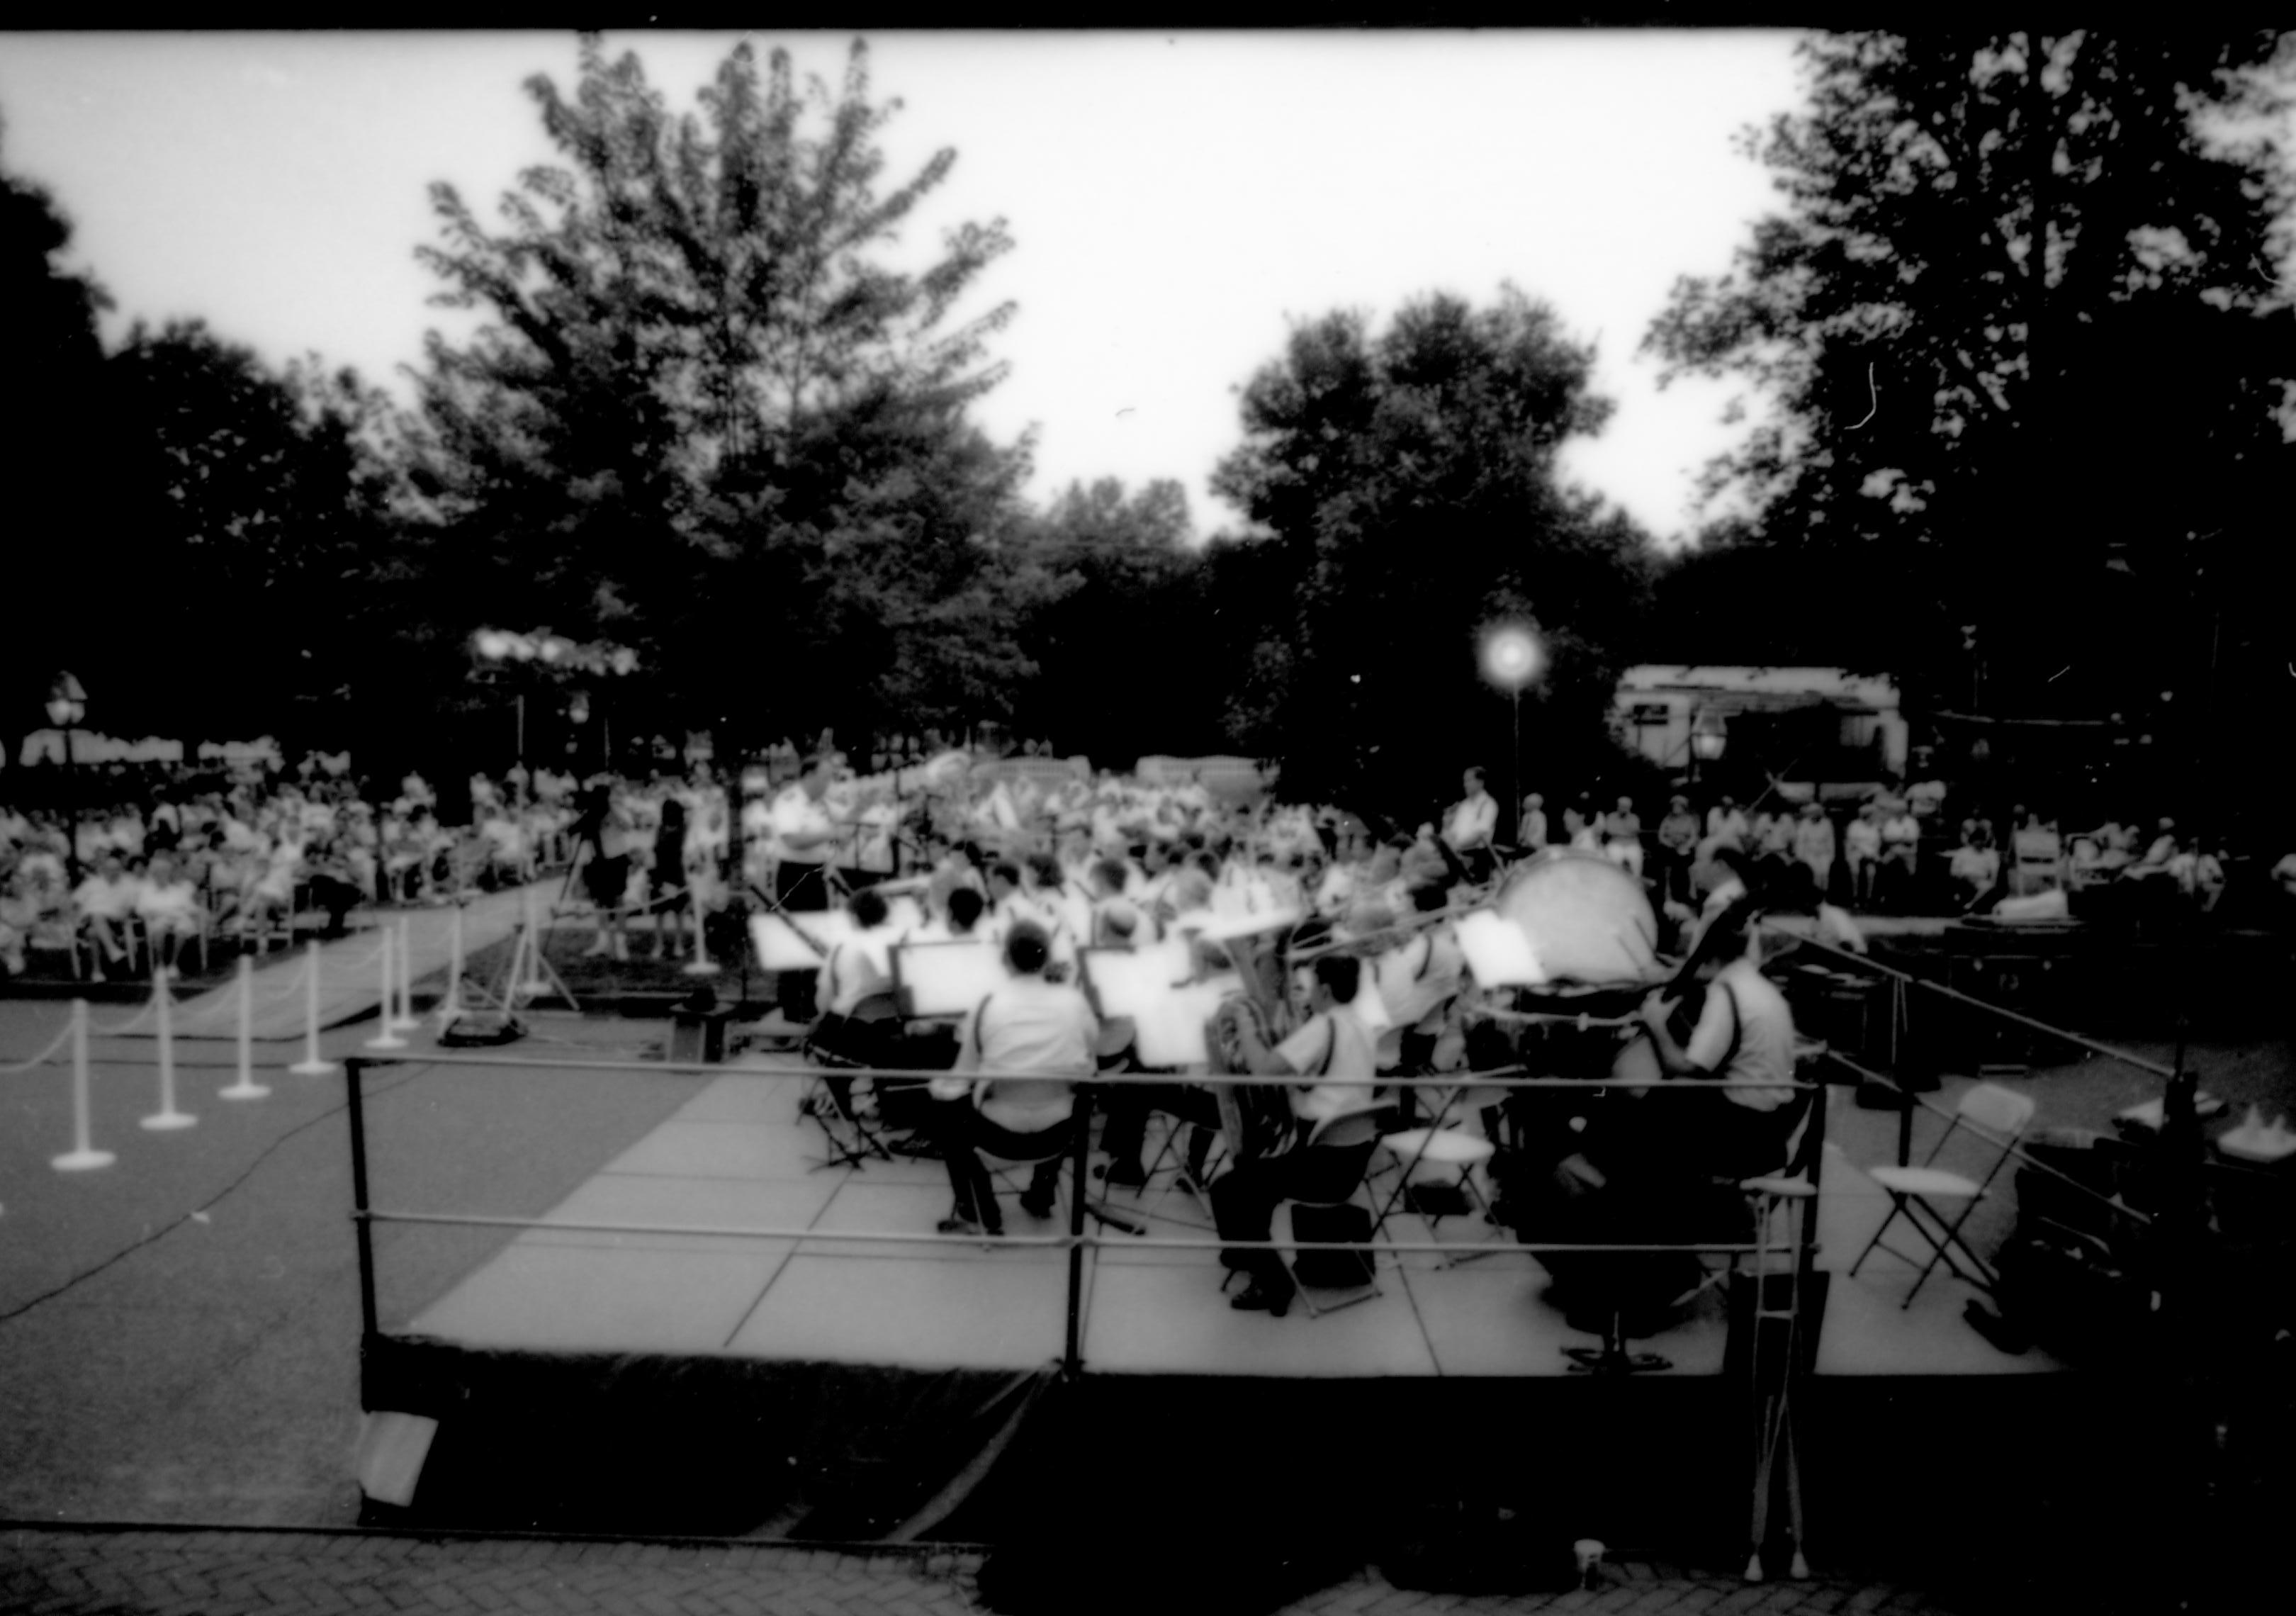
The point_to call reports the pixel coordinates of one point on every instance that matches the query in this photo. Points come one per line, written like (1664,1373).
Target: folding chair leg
(1897,1208)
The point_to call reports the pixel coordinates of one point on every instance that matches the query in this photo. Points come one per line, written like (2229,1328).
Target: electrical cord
(200,1211)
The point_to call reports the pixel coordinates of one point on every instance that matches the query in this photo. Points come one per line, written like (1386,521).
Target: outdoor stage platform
(807,1385)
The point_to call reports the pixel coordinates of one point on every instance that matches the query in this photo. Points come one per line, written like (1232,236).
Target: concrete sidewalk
(66,1570)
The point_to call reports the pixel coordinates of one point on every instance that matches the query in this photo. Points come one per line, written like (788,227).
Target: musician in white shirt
(1335,1053)
(1045,1031)
(1471,825)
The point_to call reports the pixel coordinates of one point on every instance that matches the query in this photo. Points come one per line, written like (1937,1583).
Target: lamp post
(1708,736)
(67,706)
(1512,658)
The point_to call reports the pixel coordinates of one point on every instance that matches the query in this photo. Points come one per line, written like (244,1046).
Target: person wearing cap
(1861,853)
(1726,825)
(1677,845)
(1038,1037)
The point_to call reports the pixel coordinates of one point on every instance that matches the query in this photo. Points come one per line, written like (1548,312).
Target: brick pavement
(65,1571)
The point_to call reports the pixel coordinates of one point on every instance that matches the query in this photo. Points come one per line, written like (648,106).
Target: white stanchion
(167,1116)
(402,1018)
(700,963)
(244,1087)
(450,1008)
(83,1154)
(311,1065)
(532,983)
(385,1038)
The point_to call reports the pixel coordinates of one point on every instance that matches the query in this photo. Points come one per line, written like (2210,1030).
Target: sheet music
(1499,951)
(947,979)
(780,948)
(1168,1019)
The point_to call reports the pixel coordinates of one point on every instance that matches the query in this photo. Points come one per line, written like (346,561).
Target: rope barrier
(41,1059)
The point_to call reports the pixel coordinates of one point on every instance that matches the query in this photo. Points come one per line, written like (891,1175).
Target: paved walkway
(210,1573)
(350,970)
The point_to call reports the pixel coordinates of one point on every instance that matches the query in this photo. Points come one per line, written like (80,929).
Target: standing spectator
(1813,849)
(1622,837)
(1531,834)
(1861,852)
(1473,825)
(1677,845)
(1726,826)
(1774,835)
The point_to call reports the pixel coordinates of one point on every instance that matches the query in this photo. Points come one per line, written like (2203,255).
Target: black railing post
(1079,1150)
(354,1076)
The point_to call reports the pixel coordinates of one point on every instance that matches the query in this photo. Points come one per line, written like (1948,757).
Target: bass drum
(1587,919)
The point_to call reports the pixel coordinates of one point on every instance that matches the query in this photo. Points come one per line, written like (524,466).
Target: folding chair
(1996,1115)
(1445,1144)
(1354,1130)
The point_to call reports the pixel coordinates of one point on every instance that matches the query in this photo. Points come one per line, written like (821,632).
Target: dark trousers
(1128,1105)
(964,1133)
(1244,1201)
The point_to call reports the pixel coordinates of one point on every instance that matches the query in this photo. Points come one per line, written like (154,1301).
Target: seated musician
(1045,1032)
(1331,1061)
(1743,1033)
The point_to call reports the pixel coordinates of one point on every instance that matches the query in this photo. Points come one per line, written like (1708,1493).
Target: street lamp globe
(1511,656)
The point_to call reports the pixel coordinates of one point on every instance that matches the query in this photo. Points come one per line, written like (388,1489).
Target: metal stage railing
(1773,1392)
(1080,1236)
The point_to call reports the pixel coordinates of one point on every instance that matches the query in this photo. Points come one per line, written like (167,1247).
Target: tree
(707,419)
(55,453)
(1118,626)
(1407,482)
(2016,341)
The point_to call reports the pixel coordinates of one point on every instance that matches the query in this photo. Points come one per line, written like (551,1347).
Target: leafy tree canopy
(2014,340)
(1406,481)
(708,417)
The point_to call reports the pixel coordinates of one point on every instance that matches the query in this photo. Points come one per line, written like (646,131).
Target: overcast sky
(1176,200)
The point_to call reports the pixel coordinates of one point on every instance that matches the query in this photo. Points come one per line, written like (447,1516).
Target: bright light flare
(1511,656)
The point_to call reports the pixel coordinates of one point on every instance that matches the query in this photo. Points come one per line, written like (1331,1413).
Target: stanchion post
(451,1007)
(533,984)
(402,1016)
(244,1087)
(167,1118)
(384,1037)
(699,965)
(354,1076)
(83,1155)
(311,1065)
(1072,1355)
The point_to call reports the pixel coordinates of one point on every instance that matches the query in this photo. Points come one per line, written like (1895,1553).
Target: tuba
(1258,1118)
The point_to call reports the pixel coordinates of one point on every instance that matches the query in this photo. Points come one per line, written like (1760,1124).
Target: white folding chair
(1443,1143)
(1923,1196)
